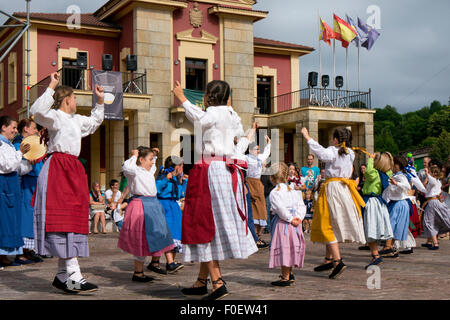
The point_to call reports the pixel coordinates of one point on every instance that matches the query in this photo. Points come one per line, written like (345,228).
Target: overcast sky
(408,67)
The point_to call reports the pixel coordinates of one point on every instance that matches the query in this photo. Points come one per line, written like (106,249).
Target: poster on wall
(112,84)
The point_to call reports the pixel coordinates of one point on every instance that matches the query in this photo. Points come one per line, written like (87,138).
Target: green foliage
(441,149)
(357,104)
(396,132)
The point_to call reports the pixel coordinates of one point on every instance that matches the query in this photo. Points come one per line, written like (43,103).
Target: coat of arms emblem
(196,16)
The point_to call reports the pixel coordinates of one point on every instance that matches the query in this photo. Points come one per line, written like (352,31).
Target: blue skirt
(173,215)
(399,216)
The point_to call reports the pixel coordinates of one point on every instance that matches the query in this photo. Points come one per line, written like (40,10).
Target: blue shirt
(309,183)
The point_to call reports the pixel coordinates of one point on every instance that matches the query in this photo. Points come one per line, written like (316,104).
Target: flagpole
(320,56)
(334,68)
(346,73)
(359,96)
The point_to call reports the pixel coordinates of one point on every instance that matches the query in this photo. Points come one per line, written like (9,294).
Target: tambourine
(37,150)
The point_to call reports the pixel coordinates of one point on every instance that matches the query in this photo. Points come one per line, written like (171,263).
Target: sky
(408,67)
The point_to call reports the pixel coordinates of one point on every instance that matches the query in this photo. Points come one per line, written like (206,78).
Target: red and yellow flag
(344,31)
(326,33)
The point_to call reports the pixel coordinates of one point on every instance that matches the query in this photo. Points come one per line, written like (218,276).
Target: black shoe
(144,278)
(266,231)
(375,261)
(291,278)
(281,282)
(173,267)
(409,251)
(34,256)
(58,284)
(46,256)
(364,248)
(82,286)
(433,247)
(197,291)
(389,253)
(337,270)
(156,268)
(20,261)
(218,293)
(261,244)
(325,266)
(427,245)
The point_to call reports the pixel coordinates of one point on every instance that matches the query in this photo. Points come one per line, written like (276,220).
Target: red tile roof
(274,43)
(85,18)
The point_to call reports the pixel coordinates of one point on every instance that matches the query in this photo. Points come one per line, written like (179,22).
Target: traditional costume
(11,165)
(145,231)
(337,212)
(61,202)
(287,247)
(214,225)
(255,166)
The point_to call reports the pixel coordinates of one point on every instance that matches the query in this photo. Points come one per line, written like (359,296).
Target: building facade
(193,42)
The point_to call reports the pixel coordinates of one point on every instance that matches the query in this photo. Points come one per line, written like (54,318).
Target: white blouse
(65,130)
(256,163)
(433,188)
(140,181)
(286,203)
(218,127)
(12,160)
(399,191)
(240,148)
(336,166)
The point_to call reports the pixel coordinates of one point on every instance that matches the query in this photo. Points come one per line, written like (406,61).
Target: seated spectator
(116,202)
(97,206)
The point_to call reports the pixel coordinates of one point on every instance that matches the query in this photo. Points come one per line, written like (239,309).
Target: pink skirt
(287,248)
(132,237)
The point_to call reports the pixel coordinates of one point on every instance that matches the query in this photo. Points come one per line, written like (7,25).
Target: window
(264,90)
(196,74)
(12,77)
(2,83)
(72,74)
(187,151)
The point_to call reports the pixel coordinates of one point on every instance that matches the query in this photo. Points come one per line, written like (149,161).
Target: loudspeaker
(325,80)
(107,62)
(131,62)
(82,59)
(312,79)
(339,82)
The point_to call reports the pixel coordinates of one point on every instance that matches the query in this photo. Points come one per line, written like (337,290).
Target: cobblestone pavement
(421,275)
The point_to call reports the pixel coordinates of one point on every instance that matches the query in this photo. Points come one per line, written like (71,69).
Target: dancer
(61,206)
(26,128)
(337,215)
(287,247)
(377,225)
(11,164)
(145,231)
(170,184)
(396,194)
(214,224)
(436,218)
(255,162)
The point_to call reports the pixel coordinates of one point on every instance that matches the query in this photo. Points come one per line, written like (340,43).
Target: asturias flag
(326,33)
(344,31)
(371,34)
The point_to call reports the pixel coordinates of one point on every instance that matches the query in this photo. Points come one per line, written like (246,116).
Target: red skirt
(415,219)
(67,204)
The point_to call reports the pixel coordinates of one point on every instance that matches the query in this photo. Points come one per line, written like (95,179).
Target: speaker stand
(313,99)
(341,101)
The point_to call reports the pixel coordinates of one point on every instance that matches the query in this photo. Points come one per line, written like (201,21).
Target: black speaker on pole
(107,62)
(82,60)
(339,82)
(131,62)
(325,80)
(312,79)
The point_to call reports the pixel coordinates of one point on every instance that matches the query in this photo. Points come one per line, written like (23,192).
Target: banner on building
(195,97)
(112,84)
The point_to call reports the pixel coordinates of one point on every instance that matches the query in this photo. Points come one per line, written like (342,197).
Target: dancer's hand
(268,139)
(135,152)
(24,148)
(305,134)
(169,175)
(391,180)
(155,151)
(178,92)
(100,93)
(255,125)
(372,156)
(296,221)
(54,80)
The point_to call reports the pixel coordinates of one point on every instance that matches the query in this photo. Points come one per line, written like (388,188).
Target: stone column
(116,147)
(95,156)
(139,129)
(302,144)
(239,65)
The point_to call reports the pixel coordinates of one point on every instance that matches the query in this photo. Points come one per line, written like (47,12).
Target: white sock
(73,270)
(62,271)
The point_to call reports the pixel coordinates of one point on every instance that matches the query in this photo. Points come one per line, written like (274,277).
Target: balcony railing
(81,79)
(315,97)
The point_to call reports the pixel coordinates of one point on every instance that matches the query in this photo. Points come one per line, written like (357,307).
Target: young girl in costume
(337,215)
(287,248)
(170,185)
(11,165)
(214,225)
(377,225)
(61,206)
(145,231)
(436,217)
(309,204)
(397,196)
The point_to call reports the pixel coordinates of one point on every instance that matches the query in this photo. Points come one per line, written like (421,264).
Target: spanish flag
(344,31)
(326,33)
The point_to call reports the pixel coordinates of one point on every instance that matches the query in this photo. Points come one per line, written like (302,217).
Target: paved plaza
(422,275)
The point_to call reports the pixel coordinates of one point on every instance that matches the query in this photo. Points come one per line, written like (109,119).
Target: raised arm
(90,124)
(322,153)
(263,157)
(129,167)
(371,173)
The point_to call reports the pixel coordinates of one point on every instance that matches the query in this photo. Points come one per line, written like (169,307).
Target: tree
(388,113)
(441,149)
(428,142)
(385,142)
(357,105)
(439,121)
(435,106)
